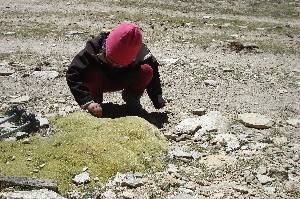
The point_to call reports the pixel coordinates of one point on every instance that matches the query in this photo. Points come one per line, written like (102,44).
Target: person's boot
(132,100)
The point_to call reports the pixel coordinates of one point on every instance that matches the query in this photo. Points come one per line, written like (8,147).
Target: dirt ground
(191,41)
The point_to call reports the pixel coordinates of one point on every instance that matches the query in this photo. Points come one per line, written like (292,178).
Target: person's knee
(146,73)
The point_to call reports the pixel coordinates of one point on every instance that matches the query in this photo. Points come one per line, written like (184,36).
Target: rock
(127,195)
(34,194)
(73,33)
(82,178)
(231,141)
(45,75)
(109,194)
(211,122)
(5,69)
(199,111)
(190,185)
(279,140)
(172,168)
(44,123)
(264,179)
(292,186)
(9,33)
(218,160)
(206,17)
(20,100)
(210,82)
(255,120)
(169,61)
(295,122)
(270,190)
(183,152)
(261,170)
(188,126)
(26,141)
(131,180)
(226,69)
(169,181)
(21,135)
(241,189)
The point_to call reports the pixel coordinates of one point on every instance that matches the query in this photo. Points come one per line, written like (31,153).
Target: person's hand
(161,102)
(95,109)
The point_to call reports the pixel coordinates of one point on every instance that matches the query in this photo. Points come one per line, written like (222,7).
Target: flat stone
(5,69)
(132,181)
(183,152)
(20,100)
(264,179)
(34,194)
(45,75)
(295,122)
(255,120)
(218,160)
(188,126)
(82,178)
(226,69)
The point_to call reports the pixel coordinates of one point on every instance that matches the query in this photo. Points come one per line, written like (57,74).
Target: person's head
(123,44)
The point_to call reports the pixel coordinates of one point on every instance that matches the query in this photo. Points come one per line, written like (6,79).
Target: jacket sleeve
(76,72)
(154,88)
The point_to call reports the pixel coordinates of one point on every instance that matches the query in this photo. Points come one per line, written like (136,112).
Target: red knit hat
(123,43)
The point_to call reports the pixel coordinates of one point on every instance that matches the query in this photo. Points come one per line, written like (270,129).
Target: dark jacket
(89,58)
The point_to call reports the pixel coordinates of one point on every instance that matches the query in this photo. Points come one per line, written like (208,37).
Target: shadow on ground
(111,110)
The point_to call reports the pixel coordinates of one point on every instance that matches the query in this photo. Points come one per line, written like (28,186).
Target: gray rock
(34,194)
(210,82)
(279,140)
(183,152)
(232,142)
(21,135)
(264,179)
(295,122)
(261,170)
(127,195)
(241,189)
(199,111)
(5,69)
(45,75)
(226,69)
(44,123)
(270,190)
(188,126)
(109,194)
(20,100)
(255,120)
(82,178)
(211,122)
(9,33)
(73,33)
(132,181)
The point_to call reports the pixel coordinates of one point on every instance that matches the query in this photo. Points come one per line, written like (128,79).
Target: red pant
(134,81)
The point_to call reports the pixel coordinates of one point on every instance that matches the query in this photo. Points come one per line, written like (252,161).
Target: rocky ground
(220,61)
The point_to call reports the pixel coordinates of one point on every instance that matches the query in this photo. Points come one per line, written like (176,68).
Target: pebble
(210,82)
(295,122)
(82,178)
(199,111)
(188,126)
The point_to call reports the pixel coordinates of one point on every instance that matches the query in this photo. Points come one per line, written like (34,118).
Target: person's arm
(76,73)
(154,89)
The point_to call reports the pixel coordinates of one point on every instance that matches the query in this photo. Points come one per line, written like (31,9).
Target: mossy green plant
(105,146)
